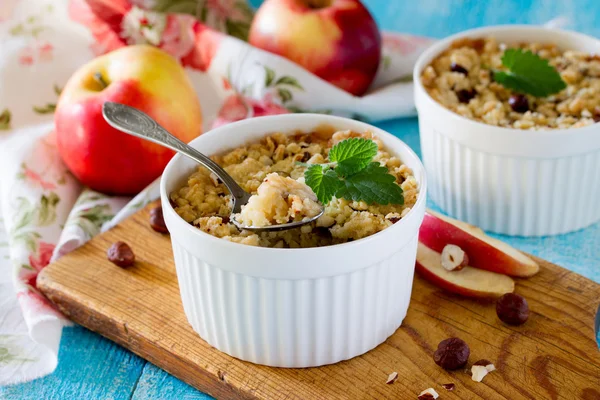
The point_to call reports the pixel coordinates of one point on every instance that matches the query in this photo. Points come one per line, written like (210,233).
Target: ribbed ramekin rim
(394,229)
(441,45)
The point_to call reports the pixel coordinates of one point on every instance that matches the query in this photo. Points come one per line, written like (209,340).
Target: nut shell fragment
(480,369)
(428,394)
(392,378)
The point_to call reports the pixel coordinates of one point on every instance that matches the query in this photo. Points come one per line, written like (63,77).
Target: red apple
(484,251)
(470,282)
(143,77)
(337,40)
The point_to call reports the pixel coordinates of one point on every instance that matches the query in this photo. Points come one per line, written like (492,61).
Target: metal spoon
(137,123)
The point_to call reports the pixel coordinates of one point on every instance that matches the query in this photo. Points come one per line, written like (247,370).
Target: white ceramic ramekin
(293,307)
(504,180)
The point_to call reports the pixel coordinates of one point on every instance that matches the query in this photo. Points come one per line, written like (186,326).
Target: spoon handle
(137,123)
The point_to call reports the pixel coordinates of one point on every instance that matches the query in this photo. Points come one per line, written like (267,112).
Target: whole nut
(157,221)
(452,354)
(121,254)
(454,258)
(512,309)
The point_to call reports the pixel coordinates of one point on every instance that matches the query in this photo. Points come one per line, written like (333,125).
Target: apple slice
(484,251)
(469,281)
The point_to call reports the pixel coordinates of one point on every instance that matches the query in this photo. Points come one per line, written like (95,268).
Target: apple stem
(98,77)
(318,3)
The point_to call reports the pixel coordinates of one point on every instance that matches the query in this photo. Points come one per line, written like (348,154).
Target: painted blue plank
(92,368)
(156,383)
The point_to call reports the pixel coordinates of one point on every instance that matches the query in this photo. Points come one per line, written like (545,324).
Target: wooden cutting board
(553,356)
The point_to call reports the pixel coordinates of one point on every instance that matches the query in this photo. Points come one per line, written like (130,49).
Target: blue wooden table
(91,367)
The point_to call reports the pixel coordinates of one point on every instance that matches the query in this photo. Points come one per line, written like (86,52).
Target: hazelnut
(454,258)
(480,369)
(121,254)
(428,394)
(452,354)
(157,221)
(512,309)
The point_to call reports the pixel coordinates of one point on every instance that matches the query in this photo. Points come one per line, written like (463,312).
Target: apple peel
(484,252)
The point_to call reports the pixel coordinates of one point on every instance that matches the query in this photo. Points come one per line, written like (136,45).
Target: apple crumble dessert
(463,79)
(273,170)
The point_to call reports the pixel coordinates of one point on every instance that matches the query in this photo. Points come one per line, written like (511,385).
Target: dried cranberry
(305,157)
(121,254)
(519,103)
(464,95)
(454,67)
(596,115)
(157,221)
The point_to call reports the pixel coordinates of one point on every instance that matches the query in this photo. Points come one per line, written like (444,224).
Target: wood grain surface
(553,356)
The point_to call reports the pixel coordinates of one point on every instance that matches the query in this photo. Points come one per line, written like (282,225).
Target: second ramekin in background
(505,180)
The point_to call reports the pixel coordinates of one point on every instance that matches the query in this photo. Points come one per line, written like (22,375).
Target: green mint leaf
(373,184)
(324,184)
(352,155)
(528,73)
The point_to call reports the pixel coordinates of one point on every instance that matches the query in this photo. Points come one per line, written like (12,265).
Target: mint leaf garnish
(324,184)
(353,175)
(352,155)
(373,184)
(528,73)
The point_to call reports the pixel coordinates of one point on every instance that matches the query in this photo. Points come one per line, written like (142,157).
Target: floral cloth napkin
(45,212)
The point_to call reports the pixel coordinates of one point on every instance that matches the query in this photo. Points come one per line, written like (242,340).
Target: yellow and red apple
(484,252)
(337,40)
(143,77)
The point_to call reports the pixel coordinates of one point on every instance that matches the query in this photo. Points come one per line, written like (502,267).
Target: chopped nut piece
(222,375)
(392,378)
(452,353)
(449,386)
(454,258)
(480,369)
(120,254)
(428,394)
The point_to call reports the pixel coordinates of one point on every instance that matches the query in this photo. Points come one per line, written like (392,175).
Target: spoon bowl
(134,122)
